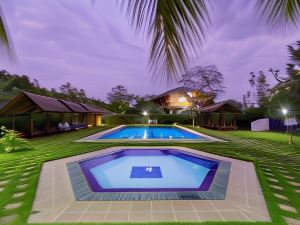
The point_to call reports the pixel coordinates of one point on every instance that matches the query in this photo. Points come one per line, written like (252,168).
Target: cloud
(94,47)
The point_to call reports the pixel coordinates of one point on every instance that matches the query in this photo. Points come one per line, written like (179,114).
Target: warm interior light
(181,99)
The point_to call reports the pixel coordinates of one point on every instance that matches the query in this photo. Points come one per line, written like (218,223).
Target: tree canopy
(207,81)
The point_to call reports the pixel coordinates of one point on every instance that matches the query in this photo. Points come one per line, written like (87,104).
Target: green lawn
(273,158)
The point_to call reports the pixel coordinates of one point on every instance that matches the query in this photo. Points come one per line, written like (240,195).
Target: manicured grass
(273,158)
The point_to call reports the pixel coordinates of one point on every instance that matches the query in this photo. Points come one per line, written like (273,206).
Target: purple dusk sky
(94,47)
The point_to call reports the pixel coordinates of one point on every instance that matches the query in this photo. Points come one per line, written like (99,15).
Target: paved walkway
(54,201)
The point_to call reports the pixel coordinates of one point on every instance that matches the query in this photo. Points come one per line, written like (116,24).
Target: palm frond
(280,13)
(4,37)
(176,29)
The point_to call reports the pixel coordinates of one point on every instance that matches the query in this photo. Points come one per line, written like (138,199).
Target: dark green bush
(11,141)
(140,119)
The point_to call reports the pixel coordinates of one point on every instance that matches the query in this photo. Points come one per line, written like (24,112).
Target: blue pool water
(149,170)
(151,132)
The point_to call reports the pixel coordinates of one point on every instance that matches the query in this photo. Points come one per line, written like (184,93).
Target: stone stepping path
(25,174)
(13,205)
(294,183)
(22,186)
(287,208)
(8,219)
(270,174)
(23,179)
(284,171)
(18,195)
(289,177)
(3,182)
(9,171)
(276,187)
(273,180)
(281,197)
(291,221)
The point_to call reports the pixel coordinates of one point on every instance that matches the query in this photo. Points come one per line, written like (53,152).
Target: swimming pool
(151,132)
(162,172)
(149,170)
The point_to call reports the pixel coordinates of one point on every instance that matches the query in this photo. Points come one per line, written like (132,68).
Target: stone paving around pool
(55,201)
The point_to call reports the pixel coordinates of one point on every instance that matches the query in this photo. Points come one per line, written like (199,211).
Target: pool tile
(202,205)
(186,216)
(140,217)
(138,206)
(182,206)
(77,207)
(209,216)
(120,206)
(98,206)
(220,205)
(92,217)
(69,217)
(116,217)
(163,217)
(234,216)
(162,206)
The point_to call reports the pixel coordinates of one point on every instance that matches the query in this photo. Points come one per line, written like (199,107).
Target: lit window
(181,99)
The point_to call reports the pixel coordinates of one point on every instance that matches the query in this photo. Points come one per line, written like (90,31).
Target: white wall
(260,125)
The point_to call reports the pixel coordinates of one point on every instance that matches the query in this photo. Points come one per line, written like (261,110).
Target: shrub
(11,141)
(118,119)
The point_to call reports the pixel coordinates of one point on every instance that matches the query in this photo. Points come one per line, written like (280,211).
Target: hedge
(119,119)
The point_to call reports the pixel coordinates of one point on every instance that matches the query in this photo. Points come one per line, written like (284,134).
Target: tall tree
(72,92)
(262,90)
(206,80)
(119,98)
(293,68)
(120,94)
(286,92)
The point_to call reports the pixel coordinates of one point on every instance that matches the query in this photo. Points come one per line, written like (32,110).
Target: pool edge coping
(93,137)
(86,194)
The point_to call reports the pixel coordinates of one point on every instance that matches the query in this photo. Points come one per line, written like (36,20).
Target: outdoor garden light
(145,113)
(284,111)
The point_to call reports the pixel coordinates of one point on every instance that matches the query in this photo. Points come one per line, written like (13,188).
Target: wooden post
(13,120)
(220,121)
(72,114)
(31,125)
(47,122)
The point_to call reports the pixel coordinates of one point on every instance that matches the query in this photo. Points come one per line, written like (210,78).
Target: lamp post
(145,114)
(285,112)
